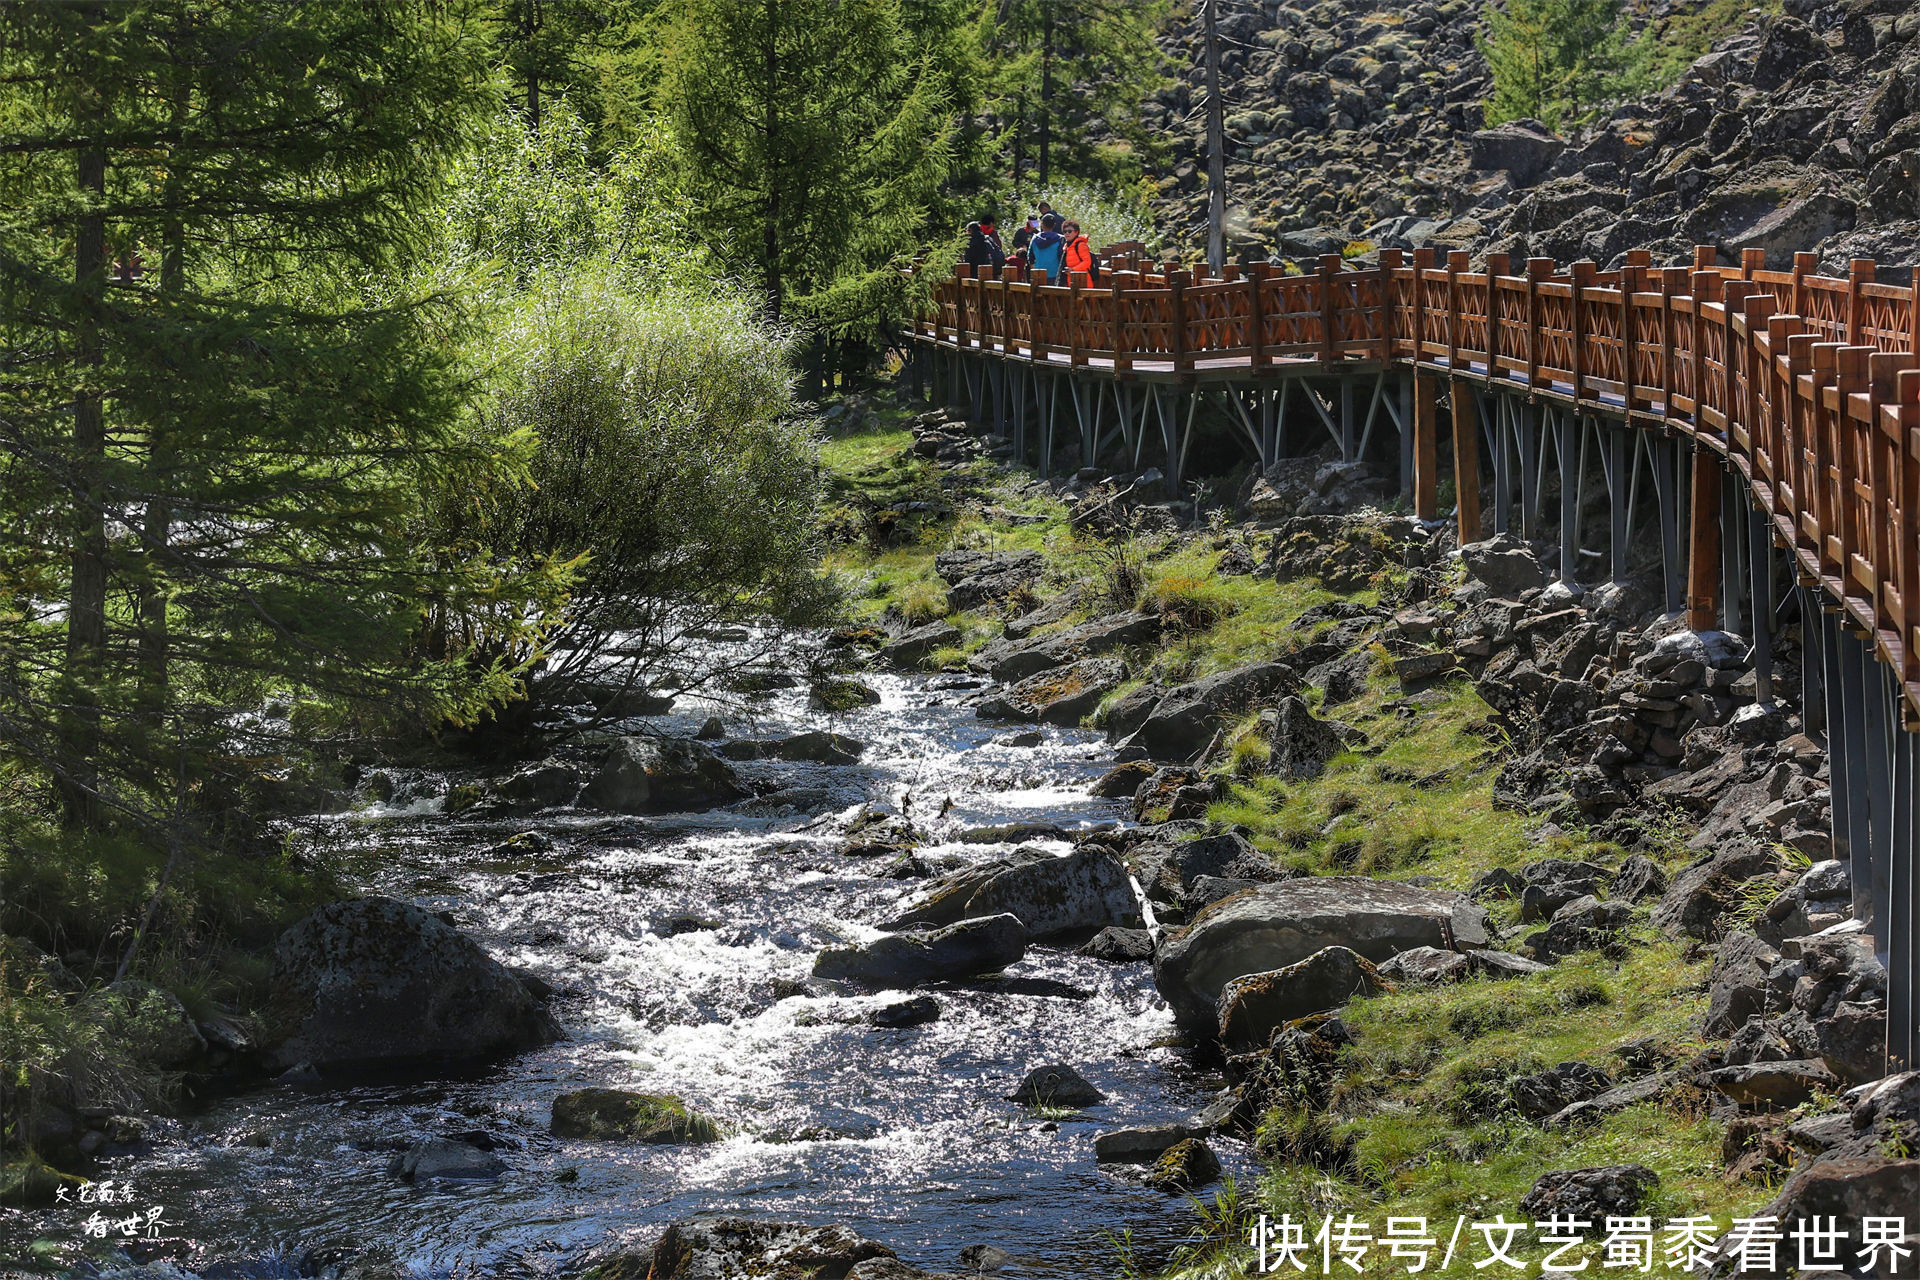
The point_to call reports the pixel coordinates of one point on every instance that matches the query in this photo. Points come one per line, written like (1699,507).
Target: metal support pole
(1667,493)
(1408,444)
(1760,599)
(1615,461)
(1903,890)
(1530,447)
(1732,552)
(1502,468)
(1569,496)
(1349,450)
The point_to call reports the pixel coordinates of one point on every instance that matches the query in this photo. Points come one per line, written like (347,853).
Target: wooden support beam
(1426,446)
(1703,546)
(1466,459)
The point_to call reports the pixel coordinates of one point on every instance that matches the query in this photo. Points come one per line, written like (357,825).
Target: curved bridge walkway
(1734,414)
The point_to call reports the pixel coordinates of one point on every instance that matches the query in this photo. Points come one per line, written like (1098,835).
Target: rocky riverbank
(1680,830)
(1354,127)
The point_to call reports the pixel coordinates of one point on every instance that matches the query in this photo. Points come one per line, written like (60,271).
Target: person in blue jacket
(1044,250)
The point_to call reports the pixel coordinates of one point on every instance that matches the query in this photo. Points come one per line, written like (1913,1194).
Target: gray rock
(1706,890)
(1186,1166)
(1639,877)
(1064,696)
(1119,946)
(1542,1093)
(1775,1085)
(1008,660)
(1083,890)
(1281,924)
(1523,149)
(1057,1085)
(906,1013)
(1591,1194)
(1251,1008)
(1505,564)
(1489,963)
(730,1248)
(619,1115)
(1618,1098)
(1141,1146)
(1301,743)
(914,647)
(1184,720)
(1737,985)
(445,1158)
(661,775)
(908,959)
(1429,966)
(541,787)
(375,983)
(818,747)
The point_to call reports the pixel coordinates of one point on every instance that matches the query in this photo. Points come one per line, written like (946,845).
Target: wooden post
(1883,481)
(1907,428)
(1581,275)
(1329,268)
(1466,459)
(1705,257)
(1859,272)
(1177,309)
(1804,265)
(1538,269)
(1823,361)
(1122,362)
(1752,261)
(1456,263)
(1256,316)
(1076,349)
(1389,312)
(1423,263)
(1703,548)
(1850,376)
(1426,446)
(1629,344)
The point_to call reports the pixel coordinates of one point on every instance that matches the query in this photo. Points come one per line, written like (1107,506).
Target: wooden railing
(1808,386)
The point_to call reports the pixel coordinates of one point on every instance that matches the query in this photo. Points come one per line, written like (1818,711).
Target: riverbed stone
(899,960)
(643,774)
(1064,696)
(1057,1085)
(622,1116)
(915,646)
(906,1013)
(836,694)
(1120,946)
(1141,1146)
(818,747)
(374,983)
(729,1248)
(445,1158)
(1251,1008)
(1280,924)
(1186,1166)
(1081,891)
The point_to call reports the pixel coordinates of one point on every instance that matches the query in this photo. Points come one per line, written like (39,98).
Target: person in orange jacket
(1077,254)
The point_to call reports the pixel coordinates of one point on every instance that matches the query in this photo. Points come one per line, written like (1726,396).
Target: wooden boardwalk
(1778,413)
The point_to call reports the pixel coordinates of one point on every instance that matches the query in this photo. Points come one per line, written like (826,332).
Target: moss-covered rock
(616,1115)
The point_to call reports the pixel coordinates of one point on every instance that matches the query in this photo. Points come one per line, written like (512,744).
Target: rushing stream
(674,944)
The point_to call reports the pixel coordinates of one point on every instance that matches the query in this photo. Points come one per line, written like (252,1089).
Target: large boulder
(1524,149)
(1301,743)
(1010,660)
(1591,1194)
(1084,890)
(373,983)
(451,1159)
(1252,1008)
(1280,924)
(661,775)
(1063,696)
(1703,893)
(901,960)
(987,577)
(1504,563)
(1184,720)
(1737,986)
(913,647)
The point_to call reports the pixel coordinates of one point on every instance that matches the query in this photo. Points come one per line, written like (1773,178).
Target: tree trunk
(87,594)
(770,250)
(1046,94)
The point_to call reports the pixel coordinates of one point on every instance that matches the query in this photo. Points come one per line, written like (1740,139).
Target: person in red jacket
(1078,255)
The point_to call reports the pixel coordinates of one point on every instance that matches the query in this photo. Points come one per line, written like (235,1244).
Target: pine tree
(211,463)
(1553,60)
(1063,69)
(813,135)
